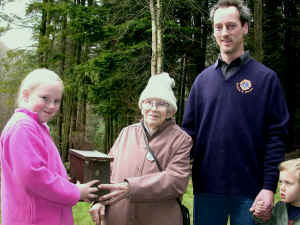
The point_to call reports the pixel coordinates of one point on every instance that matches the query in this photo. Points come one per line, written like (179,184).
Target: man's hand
(263,205)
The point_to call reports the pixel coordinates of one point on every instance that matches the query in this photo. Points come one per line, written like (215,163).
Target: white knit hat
(160,86)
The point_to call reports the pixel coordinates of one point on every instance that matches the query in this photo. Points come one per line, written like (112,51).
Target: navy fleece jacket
(238,127)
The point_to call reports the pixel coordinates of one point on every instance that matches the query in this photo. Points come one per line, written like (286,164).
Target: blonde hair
(36,78)
(291,165)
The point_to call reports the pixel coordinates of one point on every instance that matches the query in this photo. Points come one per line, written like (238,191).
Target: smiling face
(44,100)
(229,32)
(155,112)
(289,187)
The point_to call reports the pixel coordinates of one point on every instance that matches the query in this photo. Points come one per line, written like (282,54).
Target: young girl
(35,186)
(286,211)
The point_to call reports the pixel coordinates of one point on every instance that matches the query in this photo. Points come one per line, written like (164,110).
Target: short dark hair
(239,4)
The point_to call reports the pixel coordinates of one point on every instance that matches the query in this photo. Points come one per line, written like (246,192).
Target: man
(237,116)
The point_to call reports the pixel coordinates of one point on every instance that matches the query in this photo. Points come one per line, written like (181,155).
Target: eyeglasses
(158,104)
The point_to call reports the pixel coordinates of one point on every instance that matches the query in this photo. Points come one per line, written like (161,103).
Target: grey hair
(240,6)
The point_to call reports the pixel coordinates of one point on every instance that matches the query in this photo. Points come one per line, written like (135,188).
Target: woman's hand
(97,213)
(86,190)
(118,192)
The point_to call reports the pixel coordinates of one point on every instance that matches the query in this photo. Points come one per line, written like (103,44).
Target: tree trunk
(156,59)
(66,127)
(59,121)
(81,127)
(258,31)
(58,131)
(292,79)
(159,48)
(181,91)
(154,38)
(108,133)
(43,29)
(74,110)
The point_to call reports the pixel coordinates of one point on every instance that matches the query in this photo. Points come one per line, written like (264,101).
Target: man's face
(229,32)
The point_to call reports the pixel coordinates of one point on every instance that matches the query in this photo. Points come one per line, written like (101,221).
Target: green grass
(188,199)
(82,217)
(81,214)
(277,195)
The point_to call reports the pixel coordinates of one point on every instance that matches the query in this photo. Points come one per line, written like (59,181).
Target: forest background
(102,49)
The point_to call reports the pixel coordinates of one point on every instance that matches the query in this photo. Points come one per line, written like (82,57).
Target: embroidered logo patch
(244,86)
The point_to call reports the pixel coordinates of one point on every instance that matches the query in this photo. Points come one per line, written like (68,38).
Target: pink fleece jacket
(35,189)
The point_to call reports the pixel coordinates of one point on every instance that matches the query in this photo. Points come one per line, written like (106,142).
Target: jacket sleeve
(27,157)
(168,184)
(276,134)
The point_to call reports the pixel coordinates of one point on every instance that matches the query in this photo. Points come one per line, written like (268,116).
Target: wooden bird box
(87,165)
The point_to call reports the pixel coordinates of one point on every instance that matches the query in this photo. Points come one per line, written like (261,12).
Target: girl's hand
(118,192)
(86,190)
(97,213)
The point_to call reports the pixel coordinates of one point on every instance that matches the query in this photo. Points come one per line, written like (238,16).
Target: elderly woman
(141,193)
